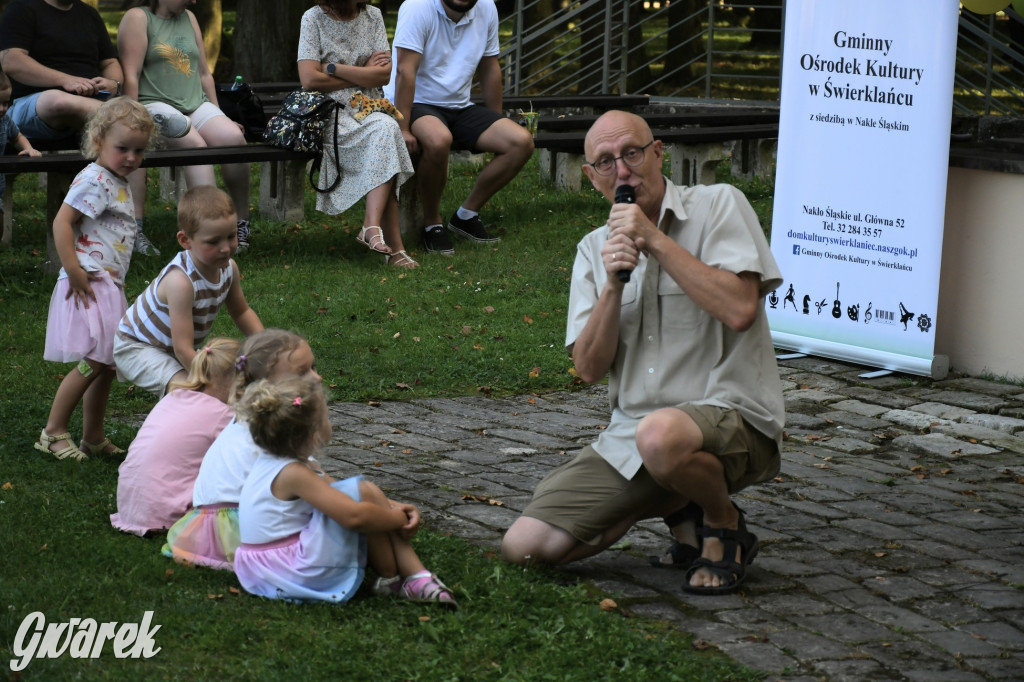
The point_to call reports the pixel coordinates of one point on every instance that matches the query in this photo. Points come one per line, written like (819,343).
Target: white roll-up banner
(860,186)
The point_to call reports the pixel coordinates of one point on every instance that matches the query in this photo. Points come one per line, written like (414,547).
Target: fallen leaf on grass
(527,319)
(424,619)
(608,605)
(8,486)
(168,573)
(488,309)
(406,387)
(466,330)
(321,311)
(701,644)
(234,590)
(215,596)
(535,372)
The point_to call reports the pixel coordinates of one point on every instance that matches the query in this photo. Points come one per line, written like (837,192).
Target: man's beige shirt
(670,350)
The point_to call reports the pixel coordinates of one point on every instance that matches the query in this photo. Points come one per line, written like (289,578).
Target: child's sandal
(69,452)
(426,587)
(100,448)
(387,586)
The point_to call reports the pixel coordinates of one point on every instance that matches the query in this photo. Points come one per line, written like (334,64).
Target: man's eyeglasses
(632,157)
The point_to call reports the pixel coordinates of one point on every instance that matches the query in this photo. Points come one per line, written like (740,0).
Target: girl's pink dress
(154,483)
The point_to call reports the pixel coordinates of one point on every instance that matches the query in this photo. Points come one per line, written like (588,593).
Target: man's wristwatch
(331,68)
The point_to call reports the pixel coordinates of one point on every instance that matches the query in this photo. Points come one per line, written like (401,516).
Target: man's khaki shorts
(586,496)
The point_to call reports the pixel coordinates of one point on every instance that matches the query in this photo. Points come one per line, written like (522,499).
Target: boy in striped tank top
(158,335)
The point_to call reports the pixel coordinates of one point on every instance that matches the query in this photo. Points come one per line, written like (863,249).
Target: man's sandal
(100,448)
(400,259)
(680,555)
(730,571)
(69,452)
(372,237)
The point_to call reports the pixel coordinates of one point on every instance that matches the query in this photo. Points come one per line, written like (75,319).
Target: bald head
(614,134)
(613,124)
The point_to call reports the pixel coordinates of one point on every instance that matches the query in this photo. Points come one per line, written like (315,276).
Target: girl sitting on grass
(94,231)
(154,482)
(208,533)
(306,536)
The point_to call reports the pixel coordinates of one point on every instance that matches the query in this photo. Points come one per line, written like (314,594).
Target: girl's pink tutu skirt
(74,333)
(206,535)
(322,562)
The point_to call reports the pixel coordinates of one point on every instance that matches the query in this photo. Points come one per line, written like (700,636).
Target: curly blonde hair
(211,364)
(284,416)
(123,110)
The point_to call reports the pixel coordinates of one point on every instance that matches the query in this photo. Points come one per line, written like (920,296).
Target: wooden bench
(282,177)
(694,151)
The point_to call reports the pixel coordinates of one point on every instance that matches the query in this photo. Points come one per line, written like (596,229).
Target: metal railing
(714,49)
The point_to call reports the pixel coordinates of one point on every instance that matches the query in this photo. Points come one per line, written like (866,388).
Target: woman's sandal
(680,555)
(69,452)
(400,259)
(372,237)
(100,448)
(730,571)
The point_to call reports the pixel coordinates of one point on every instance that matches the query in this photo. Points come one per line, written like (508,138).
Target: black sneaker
(436,241)
(244,235)
(472,229)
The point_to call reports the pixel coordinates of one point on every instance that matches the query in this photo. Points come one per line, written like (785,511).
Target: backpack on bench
(301,125)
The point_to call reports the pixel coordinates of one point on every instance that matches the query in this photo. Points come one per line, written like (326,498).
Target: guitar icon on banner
(837,310)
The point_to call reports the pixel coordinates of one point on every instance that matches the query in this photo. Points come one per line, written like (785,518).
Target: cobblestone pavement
(891,543)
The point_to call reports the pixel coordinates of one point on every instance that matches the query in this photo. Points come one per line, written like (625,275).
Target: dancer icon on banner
(790,298)
(905,316)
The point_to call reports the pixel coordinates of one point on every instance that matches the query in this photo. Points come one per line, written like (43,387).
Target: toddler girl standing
(306,536)
(208,533)
(94,231)
(154,482)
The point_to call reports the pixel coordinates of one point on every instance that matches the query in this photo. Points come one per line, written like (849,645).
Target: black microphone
(624,194)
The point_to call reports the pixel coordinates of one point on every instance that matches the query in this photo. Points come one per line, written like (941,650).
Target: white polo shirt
(451,52)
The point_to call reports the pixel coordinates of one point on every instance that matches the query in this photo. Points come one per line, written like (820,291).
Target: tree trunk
(684,45)
(210,17)
(639,73)
(266,39)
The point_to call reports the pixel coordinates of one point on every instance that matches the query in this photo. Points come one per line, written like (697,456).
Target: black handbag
(242,105)
(300,126)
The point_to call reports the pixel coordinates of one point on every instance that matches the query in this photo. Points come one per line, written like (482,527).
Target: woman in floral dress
(343,48)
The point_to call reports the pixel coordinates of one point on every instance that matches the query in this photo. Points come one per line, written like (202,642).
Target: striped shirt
(148,320)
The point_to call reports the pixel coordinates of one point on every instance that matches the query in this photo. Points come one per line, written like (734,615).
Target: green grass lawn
(489,320)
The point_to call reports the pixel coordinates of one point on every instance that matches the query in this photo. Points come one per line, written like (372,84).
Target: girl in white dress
(306,536)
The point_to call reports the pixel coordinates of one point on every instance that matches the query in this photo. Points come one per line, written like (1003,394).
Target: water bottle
(238,83)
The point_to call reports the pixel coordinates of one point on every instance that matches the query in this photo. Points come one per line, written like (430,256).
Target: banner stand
(860,189)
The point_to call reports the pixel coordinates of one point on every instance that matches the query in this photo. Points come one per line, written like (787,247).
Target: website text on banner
(860,186)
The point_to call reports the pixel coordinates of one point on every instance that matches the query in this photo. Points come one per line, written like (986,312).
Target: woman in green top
(164,62)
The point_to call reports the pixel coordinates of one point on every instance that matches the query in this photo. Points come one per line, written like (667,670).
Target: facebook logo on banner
(796,249)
